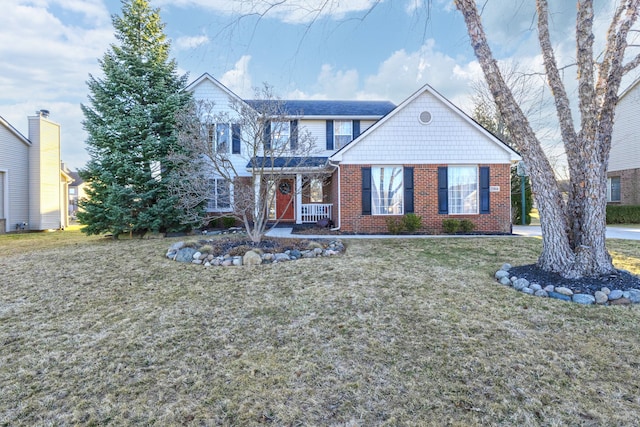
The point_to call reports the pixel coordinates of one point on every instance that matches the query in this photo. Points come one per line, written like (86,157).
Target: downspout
(339,194)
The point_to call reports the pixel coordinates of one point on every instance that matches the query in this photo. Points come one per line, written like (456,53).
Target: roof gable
(206,77)
(450,137)
(14,131)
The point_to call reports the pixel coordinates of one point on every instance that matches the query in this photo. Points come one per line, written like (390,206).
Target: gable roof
(337,156)
(329,109)
(14,131)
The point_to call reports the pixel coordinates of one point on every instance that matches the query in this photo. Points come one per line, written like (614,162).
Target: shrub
(467,226)
(450,226)
(394,226)
(617,214)
(411,222)
(228,222)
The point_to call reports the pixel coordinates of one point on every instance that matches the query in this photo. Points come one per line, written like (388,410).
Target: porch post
(298,198)
(256,194)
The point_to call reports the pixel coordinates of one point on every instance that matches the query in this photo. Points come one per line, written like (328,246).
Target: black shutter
(267,135)
(485,205)
(408,190)
(329,134)
(366,191)
(294,134)
(235,139)
(443,191)
(355,129)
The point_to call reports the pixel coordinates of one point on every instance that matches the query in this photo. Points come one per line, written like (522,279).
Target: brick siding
(629,186)
(425,201)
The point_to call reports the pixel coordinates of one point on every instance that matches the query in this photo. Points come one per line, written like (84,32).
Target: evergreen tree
(130,120)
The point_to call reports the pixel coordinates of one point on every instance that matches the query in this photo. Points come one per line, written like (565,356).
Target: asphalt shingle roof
(329,108)
(289,162)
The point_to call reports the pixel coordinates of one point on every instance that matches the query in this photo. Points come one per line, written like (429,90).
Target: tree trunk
(573,233)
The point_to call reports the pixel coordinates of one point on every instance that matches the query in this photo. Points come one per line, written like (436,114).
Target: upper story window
(342,133)
(613,189)
(280,134)
(223,137)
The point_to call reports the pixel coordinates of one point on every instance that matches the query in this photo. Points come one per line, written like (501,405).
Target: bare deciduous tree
(573,232)
(236,161)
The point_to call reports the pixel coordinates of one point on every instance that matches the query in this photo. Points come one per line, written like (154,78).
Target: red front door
(284,200)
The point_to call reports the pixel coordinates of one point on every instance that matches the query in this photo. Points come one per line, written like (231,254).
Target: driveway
(613,232)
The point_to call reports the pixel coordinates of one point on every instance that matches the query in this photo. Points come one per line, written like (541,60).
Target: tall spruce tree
(130,120)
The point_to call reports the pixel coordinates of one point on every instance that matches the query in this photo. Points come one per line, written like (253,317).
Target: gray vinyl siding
(14,165)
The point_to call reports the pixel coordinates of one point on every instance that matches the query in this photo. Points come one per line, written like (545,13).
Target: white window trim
(609,192)
(282,144)
(215,194)
(449,198)
(336,145)
(373,167)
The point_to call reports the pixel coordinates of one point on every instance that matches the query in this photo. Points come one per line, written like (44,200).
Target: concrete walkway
(614,232)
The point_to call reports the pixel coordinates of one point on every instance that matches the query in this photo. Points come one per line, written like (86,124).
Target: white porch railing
(315,212)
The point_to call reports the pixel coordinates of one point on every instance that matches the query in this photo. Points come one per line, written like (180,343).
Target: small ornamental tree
(240,180)
(130,119)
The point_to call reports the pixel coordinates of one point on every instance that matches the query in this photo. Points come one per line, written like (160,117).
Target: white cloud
(190,42)
(238,79)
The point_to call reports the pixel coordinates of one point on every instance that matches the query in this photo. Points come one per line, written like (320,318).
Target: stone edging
(182,252)
(604,296)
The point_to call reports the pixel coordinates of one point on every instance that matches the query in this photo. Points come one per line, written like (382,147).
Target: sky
(356,49)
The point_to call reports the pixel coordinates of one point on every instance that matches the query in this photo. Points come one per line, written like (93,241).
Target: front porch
(302,199)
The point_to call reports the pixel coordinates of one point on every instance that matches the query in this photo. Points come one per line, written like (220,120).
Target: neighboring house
(76,192)
(33,187)
(623,173)
(424,156)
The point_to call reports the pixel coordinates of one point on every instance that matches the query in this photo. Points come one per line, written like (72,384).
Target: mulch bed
(621,280)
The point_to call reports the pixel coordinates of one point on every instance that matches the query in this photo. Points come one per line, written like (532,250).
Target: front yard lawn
(393,332)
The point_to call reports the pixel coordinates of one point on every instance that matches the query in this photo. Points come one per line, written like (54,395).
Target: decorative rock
(556,295)
(520,284)
(237,261)
(317,251)
(226,263)
(501,273)
(295,254)
(585,299)
(564,291)
(634,296)
(528,291)
(330,252)
(601,297)
(185,255)
(308,254)
(606,290)
(541,293)
(207,264)
(506,267)
(268,257)
(505,281)
(282,257)
(196,255)
(535,287)
(196,261)
(549,288)
(314,245)
(615,294)
(251,258)
(620,301)
(176,246)
(513,279)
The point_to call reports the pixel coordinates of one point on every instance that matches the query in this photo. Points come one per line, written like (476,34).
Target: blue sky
(348,51)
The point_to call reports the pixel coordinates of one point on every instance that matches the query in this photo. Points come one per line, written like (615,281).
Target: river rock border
(604,296)
(184,252)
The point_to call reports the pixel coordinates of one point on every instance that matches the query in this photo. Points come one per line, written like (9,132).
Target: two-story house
(623,173)
(33,187)
(373,160)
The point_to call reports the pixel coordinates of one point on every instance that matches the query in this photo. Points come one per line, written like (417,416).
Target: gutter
(339,196)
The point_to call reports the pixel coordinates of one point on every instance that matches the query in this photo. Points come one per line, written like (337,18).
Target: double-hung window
(463,189)
(223,137)
(220,195)
(613,189)
(280,134)
(387,190)
(342,133)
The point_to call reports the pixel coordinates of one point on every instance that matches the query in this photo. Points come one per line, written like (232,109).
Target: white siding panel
(625,139)
(14,163)
(447,139)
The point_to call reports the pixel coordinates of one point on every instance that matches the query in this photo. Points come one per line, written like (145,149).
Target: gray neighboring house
(33,187)
(623,173)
